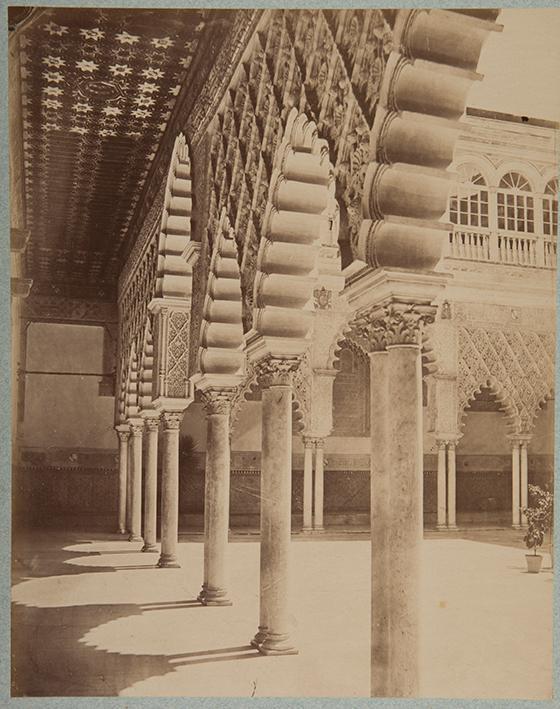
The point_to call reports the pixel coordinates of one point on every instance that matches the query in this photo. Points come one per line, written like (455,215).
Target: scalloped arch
(174,275)
(299,216)
(146,370)
(131,397)
(221,356)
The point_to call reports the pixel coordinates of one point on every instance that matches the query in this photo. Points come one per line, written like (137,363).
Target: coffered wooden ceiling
(98,87)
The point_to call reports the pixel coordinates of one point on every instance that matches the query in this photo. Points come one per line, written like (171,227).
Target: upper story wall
(505,202)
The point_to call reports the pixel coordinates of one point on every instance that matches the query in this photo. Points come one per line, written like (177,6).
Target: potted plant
(539,521)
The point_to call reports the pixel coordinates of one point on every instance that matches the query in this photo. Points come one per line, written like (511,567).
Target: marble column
(150,483)
(380,484)
(524,479)
(451,486)
(170,490)
(216,498)
(441,486)
(128,515)
(136,431)
(515,474)
(276,482)
(124,434)
(397,525)
(318,525)
(307,484)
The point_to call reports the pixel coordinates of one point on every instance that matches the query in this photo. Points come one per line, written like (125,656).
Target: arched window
(469,207)
(550,208)
(515,207)
(351,394)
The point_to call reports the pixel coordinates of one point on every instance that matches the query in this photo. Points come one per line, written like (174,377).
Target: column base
(260,637)
(150,547)
(135,538)
(452,527)
(318,529)
(307,530)
(168,561)
(213,597)
(121,530)
(516,526)
(277,644)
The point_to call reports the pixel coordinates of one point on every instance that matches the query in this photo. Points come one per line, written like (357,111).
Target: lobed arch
(506,405)
(174,274)
(131,409)
(221,357)
(299,216)
(145,390)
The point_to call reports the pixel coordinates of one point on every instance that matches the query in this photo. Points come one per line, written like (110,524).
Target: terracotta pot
(534,562)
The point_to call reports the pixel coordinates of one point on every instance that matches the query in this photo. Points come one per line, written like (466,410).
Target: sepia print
(283,351)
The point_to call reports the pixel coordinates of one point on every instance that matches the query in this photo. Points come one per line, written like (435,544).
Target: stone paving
(92,616)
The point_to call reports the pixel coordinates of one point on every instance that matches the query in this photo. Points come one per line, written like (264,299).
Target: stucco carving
(517,365)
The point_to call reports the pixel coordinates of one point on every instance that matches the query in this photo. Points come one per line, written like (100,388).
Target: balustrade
(481,244)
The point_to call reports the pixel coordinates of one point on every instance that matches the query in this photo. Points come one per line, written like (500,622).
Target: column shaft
(524,475)
(397,525)
(170,491)
(216,510)
(136,484)
(150,485)
(123,474)
(515,497)
(441,486)
(277,478)
(319,486)
(380,485)
(451,486)
(307,485)
(129,486)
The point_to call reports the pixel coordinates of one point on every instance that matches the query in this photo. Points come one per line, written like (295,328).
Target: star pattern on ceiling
(98,88)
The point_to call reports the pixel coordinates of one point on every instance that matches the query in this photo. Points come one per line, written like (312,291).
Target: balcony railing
(511,248)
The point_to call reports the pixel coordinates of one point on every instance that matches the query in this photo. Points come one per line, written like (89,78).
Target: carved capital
(152,423)
(137,429)
(218,401)
(123,436)
(393,324)
(172,420)
(276,371)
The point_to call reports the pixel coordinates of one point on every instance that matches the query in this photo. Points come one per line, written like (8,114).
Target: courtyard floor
(92,616)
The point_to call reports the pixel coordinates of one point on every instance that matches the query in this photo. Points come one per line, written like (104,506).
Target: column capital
(276,371)
(308,441)
(152,423)
(392,324)
(218,400)
(136,427)
(172,420)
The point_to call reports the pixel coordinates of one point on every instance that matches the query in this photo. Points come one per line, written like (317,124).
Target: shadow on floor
(50,659)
